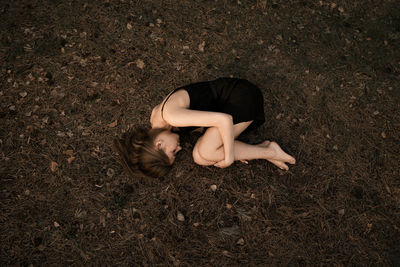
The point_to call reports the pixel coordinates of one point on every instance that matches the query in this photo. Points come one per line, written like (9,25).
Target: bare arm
(182,117)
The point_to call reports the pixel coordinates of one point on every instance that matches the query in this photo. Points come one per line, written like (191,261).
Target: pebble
(180,217)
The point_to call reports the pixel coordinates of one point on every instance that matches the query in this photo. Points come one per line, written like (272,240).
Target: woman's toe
(292,160)
(280,164)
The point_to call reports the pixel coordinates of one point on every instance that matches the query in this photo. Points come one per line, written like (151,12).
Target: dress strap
(162,108)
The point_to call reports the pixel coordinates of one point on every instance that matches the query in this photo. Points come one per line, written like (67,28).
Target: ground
(77,74)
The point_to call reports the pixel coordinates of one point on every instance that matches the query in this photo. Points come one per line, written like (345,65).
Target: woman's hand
(224,163)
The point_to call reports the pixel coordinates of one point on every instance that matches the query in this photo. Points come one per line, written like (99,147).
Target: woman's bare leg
(209,149)
(212,138)
(278,163)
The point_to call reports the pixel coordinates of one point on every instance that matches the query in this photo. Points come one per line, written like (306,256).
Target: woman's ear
(159,144)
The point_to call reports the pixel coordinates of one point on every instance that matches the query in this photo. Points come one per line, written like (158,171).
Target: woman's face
(169,143)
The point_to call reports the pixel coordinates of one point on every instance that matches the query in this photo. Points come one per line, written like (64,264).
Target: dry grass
(330,77)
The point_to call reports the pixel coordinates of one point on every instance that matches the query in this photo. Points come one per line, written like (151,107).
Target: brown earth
(75,74)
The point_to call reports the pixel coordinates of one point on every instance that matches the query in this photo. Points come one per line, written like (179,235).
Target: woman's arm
(182,117)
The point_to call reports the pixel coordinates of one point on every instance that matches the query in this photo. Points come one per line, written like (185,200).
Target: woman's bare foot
(281,157)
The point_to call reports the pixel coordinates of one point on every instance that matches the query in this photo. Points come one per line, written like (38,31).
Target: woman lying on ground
(225,107)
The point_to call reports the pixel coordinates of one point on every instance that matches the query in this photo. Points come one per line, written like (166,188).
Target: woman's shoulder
(177,98)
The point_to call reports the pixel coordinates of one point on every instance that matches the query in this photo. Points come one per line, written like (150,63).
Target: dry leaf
(228,206)
(213,187)
(113,124)
(70,159)
(240,242)
(53,166)
(69,152)
(201,46)
(139,63)
(85,133)
(129,26)
(196,224)
(383,135)
(56,224)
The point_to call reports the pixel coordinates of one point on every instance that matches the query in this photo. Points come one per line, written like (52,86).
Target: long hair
(137,151)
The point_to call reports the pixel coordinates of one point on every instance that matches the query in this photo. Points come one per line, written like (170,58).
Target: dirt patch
(76,74)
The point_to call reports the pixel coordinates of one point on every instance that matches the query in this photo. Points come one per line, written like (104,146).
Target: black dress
(237,97)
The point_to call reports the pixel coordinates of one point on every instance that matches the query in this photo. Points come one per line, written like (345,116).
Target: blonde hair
(137,151)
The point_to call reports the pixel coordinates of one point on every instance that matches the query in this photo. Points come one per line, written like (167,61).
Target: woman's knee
(198,158)
(209,143)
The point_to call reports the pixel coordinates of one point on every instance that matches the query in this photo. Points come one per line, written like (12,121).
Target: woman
(225,107)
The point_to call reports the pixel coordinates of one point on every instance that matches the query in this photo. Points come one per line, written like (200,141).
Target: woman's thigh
(209,145)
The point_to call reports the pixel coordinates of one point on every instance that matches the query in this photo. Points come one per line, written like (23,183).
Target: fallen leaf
(69,152)
(53,92)
(102,220)
(113,124)
(129,26)
(196,224)
(228,206)
(56,224)
(139,63)
(201,46)
(53,166)
(70,159)
(213,187)
(383,135)
(227,254)
(240,242)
